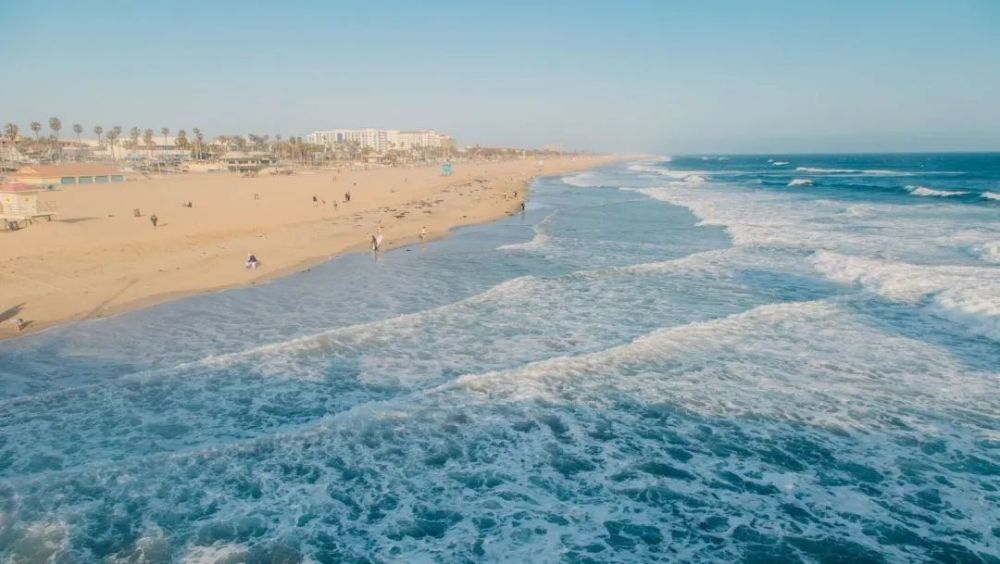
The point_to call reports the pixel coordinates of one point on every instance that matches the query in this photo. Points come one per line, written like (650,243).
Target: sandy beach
(97,258)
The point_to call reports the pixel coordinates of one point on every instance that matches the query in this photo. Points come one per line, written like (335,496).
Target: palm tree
(98,130)
(10,130)
(36,127)
(111,137)
(55,125)
(78,129)
(164,131)
(197,144)
(134,134)
(181,140)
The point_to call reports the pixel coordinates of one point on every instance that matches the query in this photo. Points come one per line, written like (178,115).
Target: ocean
(776,358)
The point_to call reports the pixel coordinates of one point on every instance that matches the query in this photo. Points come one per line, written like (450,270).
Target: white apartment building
(380,140)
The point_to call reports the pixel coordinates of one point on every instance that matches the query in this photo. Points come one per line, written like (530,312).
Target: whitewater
(776,358)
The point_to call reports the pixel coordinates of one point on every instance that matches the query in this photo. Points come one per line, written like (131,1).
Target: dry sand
(97,259)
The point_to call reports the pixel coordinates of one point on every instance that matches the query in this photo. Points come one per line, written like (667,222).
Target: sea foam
(964,294)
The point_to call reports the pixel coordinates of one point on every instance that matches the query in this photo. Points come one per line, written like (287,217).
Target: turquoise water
(756,359)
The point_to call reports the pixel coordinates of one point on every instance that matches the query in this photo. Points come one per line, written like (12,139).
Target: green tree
(164,131)
(181,140)
(98,130)
(36,127)
(78,129)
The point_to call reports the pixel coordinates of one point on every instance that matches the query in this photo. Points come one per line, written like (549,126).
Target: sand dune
(98,259)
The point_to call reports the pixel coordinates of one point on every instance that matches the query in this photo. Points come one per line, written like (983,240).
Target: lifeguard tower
(22,204)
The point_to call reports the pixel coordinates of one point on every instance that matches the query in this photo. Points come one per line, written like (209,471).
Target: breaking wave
(925,191)
(852,172)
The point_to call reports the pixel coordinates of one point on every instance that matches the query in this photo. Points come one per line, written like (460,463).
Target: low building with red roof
(66,174)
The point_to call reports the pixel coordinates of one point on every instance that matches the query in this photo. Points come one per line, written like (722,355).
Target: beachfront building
(247,162)
(381,140)
(66,174)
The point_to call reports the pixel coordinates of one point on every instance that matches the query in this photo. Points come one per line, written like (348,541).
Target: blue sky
(656,76)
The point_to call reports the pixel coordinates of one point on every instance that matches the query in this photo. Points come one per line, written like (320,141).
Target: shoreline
(482,197)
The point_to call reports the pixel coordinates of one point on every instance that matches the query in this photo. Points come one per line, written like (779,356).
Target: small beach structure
(21,204)
(66,174)
(247,163)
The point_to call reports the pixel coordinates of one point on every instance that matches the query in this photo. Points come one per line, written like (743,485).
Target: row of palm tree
(109,138)
(292,147)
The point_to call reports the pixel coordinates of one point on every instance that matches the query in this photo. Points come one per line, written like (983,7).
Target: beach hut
(20,204)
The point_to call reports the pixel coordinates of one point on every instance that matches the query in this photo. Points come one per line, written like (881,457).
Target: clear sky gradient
(655,76)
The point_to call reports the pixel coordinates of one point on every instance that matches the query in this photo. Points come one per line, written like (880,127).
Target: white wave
(925,191)
(859,210)
(215,554)
(540,241)
(587,179)
(800,182)
(691,176)
(779,163)
(991,195)
(851,171)
(707,368)
(792,219)
(39,542)
(967,295)
(990,252)
(655,345)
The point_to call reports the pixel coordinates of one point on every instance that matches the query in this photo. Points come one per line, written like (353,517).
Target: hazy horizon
(720,77)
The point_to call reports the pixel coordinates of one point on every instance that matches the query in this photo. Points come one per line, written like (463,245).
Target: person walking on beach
(19,324)
(154,220)
(423,232)
(252,262)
